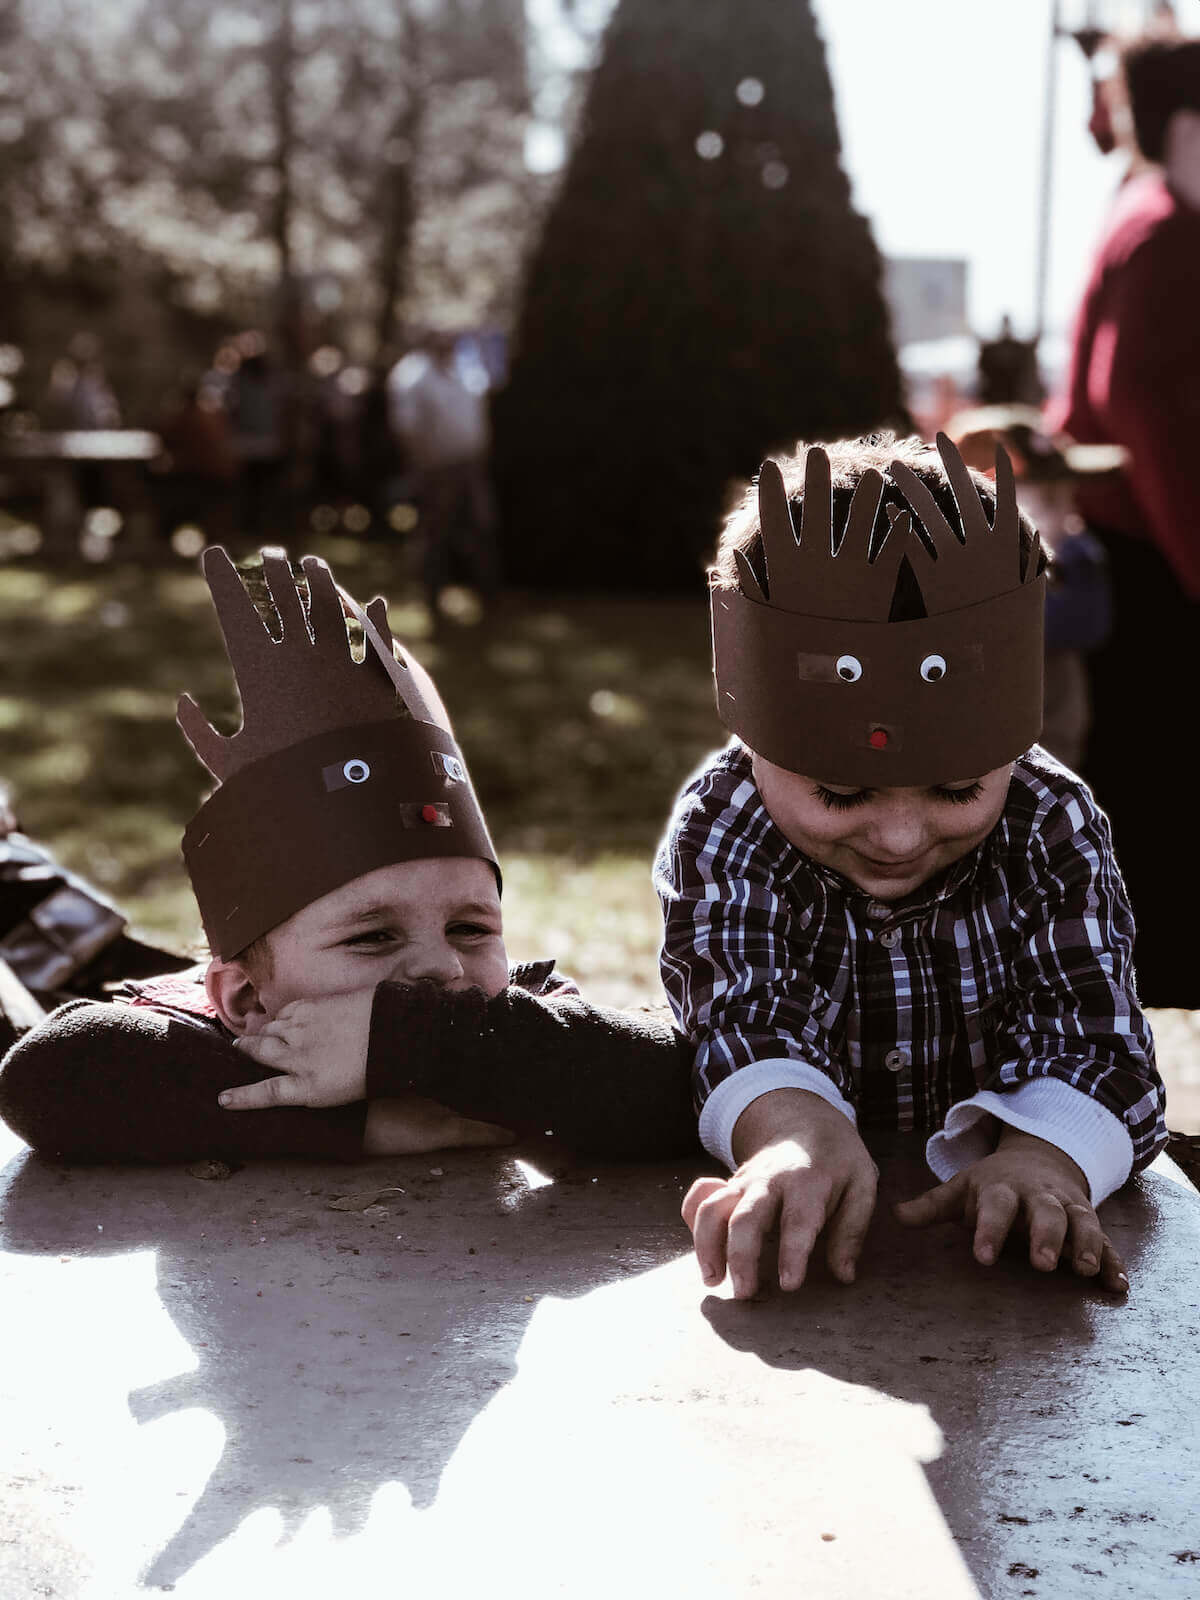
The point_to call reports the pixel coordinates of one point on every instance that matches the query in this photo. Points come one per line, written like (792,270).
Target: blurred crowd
(249,451)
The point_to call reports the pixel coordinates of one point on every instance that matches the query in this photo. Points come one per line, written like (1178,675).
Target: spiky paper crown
(813,676)
(339,767)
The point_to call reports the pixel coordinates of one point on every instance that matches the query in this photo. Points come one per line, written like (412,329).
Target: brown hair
(1162,76)
(849,459)
(258,959)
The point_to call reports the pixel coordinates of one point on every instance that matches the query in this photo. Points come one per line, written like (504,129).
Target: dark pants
(458,530)
(1140,759)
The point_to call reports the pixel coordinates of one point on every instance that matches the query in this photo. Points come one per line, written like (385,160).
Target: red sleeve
(1143,381)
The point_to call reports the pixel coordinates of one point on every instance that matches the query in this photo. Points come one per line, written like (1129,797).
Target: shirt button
(890,938)
(896,1060)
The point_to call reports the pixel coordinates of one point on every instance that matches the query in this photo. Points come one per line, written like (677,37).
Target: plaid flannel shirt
(1001,989)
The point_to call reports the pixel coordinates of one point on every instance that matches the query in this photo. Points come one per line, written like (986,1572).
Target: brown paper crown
(339,767)
(812,675)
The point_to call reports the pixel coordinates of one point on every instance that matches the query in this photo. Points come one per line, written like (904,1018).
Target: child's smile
(887,842)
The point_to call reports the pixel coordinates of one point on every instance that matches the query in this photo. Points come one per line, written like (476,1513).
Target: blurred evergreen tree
(702,294)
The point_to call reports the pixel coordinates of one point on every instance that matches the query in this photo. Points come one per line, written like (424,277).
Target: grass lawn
(579,718)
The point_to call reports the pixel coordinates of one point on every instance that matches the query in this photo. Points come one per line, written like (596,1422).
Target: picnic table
(52,467)
(466,1373)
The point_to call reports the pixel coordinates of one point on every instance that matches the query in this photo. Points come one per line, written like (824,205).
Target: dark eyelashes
(847,802)
(377,938)
(961,797)
(840,802)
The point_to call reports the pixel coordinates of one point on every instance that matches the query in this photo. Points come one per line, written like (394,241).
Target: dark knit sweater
(139,1082)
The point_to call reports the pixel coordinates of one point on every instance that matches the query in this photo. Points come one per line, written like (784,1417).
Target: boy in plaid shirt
(884,905)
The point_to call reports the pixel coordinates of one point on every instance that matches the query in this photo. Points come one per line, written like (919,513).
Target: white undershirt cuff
(733,1094)
(1094,1138)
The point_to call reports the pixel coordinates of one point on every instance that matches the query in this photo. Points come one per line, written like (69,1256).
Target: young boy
(350,893)
(884,905)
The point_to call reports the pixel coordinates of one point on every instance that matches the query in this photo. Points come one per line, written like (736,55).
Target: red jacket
(1134,377)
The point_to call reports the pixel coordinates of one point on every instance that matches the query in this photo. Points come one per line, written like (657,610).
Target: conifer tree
(702,293)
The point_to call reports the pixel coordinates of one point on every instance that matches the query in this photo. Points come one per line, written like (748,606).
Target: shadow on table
(1047,1391)
(342,1349)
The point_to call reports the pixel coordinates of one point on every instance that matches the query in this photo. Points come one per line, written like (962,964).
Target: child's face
(435,918)
(888,842)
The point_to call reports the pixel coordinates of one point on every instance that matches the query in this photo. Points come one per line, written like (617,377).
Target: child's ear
(234,994)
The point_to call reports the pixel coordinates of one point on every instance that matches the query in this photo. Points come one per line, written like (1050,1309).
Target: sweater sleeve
(611,1084)
(1145,349)
(99,1082)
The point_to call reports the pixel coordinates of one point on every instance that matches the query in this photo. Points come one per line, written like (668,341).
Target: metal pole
(1047,183)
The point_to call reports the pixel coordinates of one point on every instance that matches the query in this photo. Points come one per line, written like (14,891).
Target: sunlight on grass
(598,918)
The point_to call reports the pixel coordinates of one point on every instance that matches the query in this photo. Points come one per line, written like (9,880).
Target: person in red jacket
(1134,380)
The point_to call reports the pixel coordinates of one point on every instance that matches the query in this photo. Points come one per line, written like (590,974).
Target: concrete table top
(447,1375)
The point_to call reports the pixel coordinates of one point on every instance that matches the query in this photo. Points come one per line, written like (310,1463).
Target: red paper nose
(429,813)
(878,739)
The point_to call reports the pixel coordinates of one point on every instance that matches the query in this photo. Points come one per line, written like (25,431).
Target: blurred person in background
(1049,473)
(1134,381)
(1008,370)
(440,424)
(382,481)
(80,398)
(198,466)
(255,398)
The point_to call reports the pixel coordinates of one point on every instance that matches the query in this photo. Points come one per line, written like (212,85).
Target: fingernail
(1047,1257)
(846,1271)
(223,1099)
(1122,1280)
(986,1254)
(1088,1262)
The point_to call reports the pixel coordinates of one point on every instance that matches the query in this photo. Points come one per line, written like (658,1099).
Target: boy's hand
(410,1125)
(1029,1181)
(321,1048)
(804,1167)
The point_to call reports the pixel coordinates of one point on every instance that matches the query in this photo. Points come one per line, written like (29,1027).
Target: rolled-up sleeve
(735,959)
(1073,1019)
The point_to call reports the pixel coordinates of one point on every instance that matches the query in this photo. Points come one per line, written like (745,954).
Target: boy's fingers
(995,1214)
(710,1226)
(749,1223)
(802,1220)
(264,1048)
(941,1204)
(467,1132)
(1048,1223)
(702,1189)
(260,1096)
(1087,1239)
(849,1227)
(1112,1270)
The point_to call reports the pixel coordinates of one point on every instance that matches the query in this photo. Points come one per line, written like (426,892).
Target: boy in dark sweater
(350,893)
(884,904)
